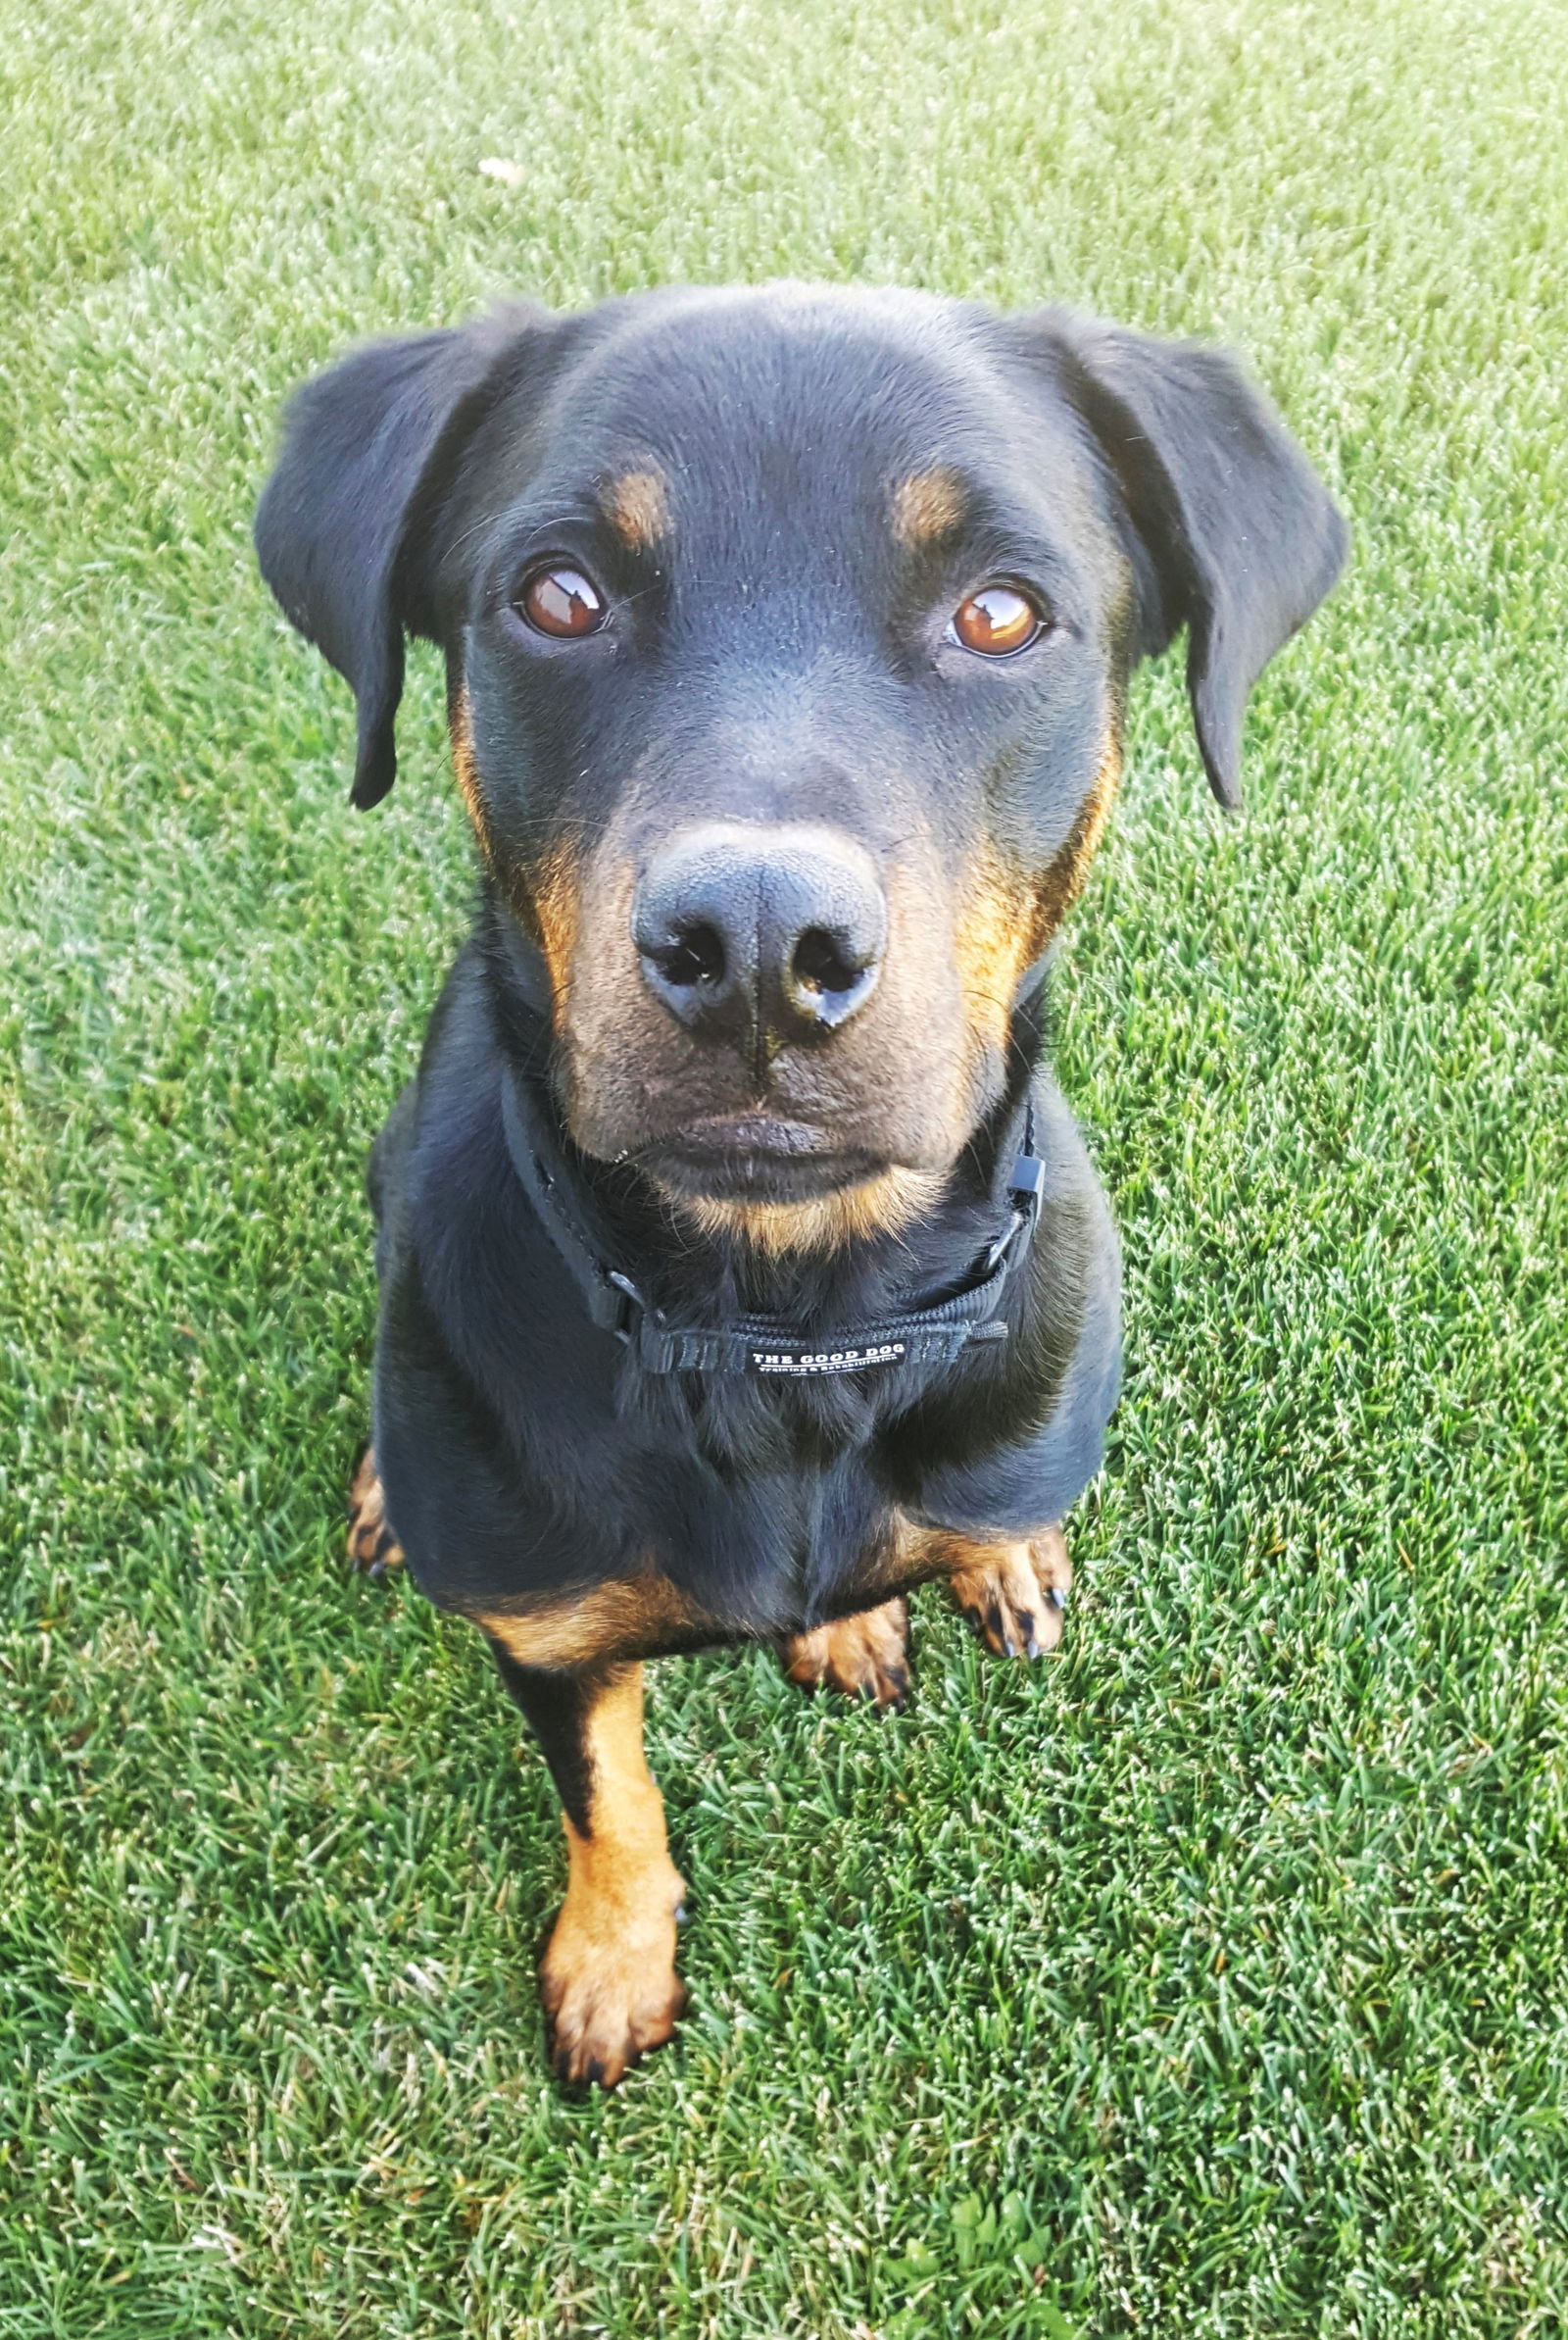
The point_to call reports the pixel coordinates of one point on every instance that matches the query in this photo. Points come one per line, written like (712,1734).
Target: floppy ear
(1239,537)
(366,447)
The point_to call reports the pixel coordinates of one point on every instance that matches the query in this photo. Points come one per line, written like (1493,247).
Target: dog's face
(792,631)
(787,634)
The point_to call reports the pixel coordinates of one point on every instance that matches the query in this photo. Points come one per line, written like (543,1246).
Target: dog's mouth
(758,1158)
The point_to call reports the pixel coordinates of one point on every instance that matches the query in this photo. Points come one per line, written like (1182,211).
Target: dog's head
(787,636)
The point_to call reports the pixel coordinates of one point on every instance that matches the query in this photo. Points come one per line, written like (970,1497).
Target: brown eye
(996,621)
(561,602)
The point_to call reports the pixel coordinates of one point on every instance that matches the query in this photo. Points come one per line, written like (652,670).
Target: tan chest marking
(628,1618)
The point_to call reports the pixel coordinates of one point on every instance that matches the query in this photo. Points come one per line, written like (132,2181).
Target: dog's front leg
(608,1982)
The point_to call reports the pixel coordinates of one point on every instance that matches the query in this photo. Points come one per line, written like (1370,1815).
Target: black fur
(556,1706)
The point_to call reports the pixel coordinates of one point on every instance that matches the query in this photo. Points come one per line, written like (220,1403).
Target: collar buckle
(1027,1185)
(1026,1191)
(615,1304)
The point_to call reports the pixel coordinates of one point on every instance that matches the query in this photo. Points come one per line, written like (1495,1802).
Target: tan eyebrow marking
(637,508)
(927,505)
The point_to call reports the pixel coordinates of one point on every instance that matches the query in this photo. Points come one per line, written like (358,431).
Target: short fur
(782,494)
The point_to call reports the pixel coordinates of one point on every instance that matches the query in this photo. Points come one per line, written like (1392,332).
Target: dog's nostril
(696,956)
(830,975)
(821,963)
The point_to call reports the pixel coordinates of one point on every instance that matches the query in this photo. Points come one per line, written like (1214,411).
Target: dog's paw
(865,1655)
(610,1996)
(1014,1594)
(372,1547)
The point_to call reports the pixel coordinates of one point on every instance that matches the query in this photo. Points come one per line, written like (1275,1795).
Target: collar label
(826,1361)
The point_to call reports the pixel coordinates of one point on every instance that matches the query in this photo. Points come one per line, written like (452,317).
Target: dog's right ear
(366,447)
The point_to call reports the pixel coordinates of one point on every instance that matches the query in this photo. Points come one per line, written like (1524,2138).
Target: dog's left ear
(343,519)
(1239,539)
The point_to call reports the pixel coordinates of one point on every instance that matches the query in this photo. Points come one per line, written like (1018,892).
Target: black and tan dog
(740,1267)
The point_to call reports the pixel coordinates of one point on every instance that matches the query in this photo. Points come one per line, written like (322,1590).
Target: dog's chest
(776,1545)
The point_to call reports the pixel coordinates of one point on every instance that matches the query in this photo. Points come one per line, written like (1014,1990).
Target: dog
(739,1264)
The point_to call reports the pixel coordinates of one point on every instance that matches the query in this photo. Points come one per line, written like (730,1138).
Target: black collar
(934,1334)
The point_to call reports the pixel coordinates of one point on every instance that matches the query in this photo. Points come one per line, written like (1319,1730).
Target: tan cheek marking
(1070,872)
(550,910)
(926,506)
(612,1621)
(460,730)
(992,942)
(1006,921)
(608,1979)
(553,911)
(637,508)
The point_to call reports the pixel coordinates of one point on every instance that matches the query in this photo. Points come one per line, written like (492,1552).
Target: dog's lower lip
(756,1158)
(729,1134)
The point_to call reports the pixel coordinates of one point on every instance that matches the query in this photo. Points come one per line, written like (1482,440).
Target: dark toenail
(681,1917)
(1057,1596)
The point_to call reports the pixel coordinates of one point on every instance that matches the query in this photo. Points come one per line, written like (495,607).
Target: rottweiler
(740,1264)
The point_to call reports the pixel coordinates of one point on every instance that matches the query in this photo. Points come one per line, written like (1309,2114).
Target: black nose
(770,933)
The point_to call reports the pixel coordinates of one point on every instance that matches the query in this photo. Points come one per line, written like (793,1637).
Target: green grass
(1210,1982)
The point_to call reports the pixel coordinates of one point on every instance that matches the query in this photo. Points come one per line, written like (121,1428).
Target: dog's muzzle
(760,936)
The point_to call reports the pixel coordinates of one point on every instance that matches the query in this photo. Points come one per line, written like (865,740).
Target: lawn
(1211,1980)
